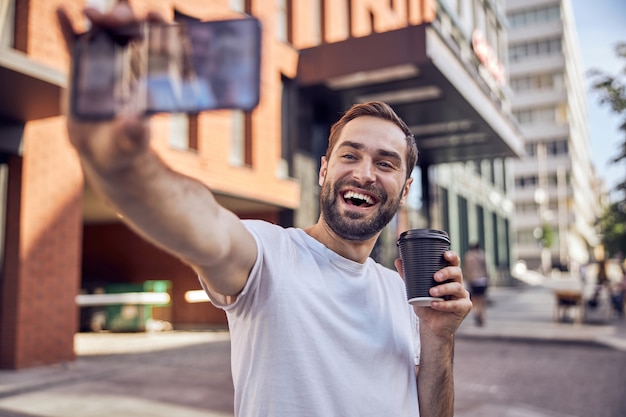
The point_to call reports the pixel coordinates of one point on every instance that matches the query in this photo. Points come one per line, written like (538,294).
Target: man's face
(364,180)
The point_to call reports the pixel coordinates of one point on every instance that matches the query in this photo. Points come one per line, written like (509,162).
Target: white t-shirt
(315,334)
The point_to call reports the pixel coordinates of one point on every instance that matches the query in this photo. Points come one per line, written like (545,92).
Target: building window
(100,5)
(7,23)
(480,19)
(415,198)
(238,5)
(445,209)
(282,20)
(546,81)
(526,237)
(288,117)
(178,137)
(534,16)
(558,147)
(241,139)
(541,115)
(527,181)
(545,47)
(237,144)
(463,223)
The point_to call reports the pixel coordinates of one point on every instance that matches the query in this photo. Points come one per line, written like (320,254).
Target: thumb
(398,264)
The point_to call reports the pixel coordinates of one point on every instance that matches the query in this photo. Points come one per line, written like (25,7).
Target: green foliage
(613,225)
(612,92)
(547,235)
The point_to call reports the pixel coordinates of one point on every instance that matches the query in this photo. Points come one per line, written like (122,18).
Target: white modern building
(555,194)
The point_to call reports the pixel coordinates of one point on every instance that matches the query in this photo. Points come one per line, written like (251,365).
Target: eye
(348,156)
(385,165)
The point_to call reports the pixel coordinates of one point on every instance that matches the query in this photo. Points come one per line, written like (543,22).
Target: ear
(323,171)
(405,191)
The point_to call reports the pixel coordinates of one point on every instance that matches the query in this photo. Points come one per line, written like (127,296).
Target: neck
(355,250)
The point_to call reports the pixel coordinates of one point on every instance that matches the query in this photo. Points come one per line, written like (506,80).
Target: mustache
(377,191)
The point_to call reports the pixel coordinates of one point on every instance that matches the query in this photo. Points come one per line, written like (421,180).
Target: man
(477,277)
(317,327)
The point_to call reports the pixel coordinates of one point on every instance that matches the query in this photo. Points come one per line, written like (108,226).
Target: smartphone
(185,67)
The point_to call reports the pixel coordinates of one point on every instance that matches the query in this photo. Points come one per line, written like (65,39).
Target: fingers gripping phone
(182,67)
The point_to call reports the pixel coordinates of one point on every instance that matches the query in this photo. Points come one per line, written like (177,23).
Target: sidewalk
(527,312)
(187,374)
(182,374)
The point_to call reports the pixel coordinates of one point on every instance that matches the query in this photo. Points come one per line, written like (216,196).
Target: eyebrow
(382,152)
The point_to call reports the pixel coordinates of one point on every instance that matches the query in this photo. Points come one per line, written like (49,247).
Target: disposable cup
(422,252)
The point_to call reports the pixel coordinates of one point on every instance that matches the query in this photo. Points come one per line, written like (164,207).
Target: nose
(364,172)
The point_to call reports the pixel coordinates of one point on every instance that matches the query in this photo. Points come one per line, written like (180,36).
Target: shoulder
(264,229)
(271,236)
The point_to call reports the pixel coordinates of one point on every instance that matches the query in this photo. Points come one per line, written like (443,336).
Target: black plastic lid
(424,233)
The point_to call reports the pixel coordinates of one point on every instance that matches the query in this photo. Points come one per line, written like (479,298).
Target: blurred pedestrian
(475,272)
(619,293)
(602,282)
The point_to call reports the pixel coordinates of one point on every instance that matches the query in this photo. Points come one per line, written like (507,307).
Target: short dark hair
(382,111)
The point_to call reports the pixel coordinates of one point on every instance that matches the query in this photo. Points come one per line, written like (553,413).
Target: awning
(30,90)
(449,108)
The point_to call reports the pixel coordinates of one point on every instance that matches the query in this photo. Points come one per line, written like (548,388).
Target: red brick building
(318,57)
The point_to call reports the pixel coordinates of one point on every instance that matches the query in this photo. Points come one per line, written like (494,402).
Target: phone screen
(181,67)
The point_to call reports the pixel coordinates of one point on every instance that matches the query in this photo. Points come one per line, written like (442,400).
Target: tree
(612,92)
(613,225)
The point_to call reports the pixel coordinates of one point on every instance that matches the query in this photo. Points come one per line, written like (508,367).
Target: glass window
(281,20)
(7,19)
(534,16)
(535,48)
(554,12)
(560,114)
(466,16)
(238,5)
(479,13)
(179,131)
(238,141)
(555,46)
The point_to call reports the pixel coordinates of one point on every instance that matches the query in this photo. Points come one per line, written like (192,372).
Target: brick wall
(42,250)
(45,251)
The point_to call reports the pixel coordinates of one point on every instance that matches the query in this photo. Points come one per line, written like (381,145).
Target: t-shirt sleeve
(219,300)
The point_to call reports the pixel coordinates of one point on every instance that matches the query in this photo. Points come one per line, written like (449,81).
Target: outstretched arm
(171,210)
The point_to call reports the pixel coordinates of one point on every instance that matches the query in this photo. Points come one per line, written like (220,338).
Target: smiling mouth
(358,199)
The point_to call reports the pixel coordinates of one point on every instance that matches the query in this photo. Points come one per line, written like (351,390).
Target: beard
(353,225)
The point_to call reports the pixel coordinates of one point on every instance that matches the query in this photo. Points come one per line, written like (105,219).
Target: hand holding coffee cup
(422,252)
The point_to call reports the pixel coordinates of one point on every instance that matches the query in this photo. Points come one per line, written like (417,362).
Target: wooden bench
(566,300)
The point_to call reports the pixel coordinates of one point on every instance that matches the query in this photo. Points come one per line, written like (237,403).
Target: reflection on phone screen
(187,67)
(96,77)
(202,65)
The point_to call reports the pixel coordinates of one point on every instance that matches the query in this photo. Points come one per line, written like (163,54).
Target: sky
(600,24)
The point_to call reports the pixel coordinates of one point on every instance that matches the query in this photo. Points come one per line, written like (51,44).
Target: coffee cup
(422,252)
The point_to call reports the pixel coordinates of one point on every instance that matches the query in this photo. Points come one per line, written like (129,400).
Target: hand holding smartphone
(182,67)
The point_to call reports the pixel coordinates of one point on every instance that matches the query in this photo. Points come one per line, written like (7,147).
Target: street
(537,379)
(188,374)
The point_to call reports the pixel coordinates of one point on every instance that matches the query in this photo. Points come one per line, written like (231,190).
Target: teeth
(352,194)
